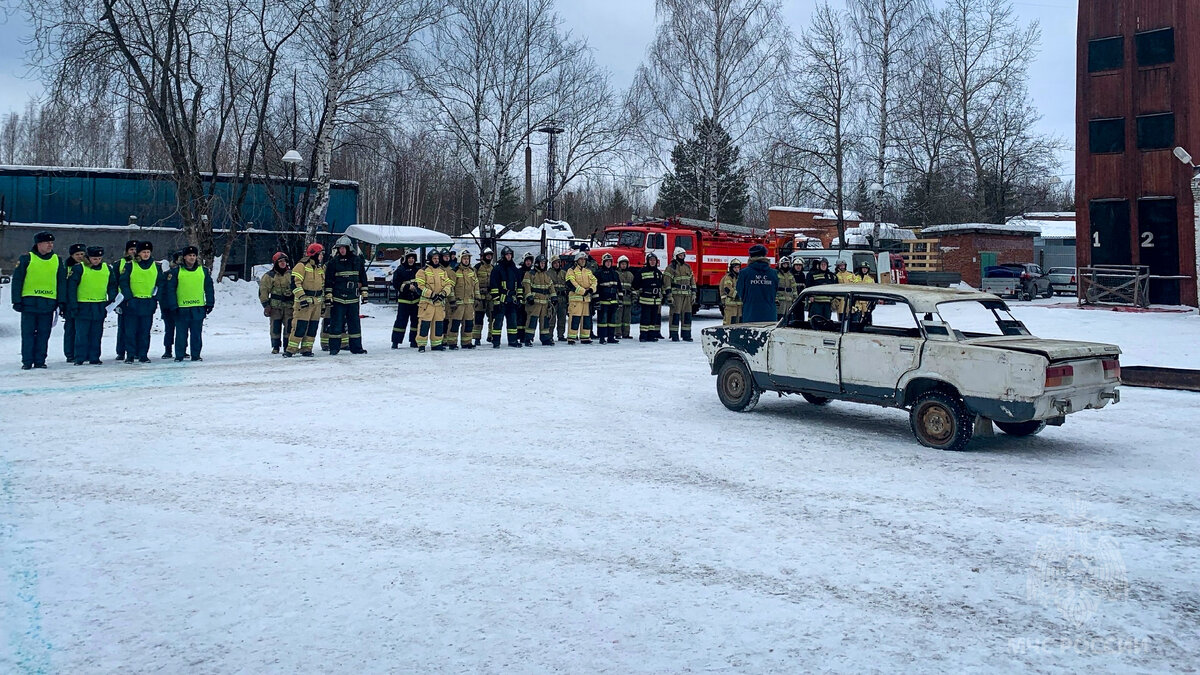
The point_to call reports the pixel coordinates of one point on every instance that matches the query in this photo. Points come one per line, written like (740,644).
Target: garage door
(1158,247)
(1110,232)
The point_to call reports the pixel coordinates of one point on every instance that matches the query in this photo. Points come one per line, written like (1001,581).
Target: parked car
(1062,280)
(950,357)
(1024,281)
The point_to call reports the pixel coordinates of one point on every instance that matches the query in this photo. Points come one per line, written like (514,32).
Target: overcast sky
(620,30)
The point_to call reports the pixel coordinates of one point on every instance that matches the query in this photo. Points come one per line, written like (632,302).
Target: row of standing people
(452,304)
(82,288)
(770,292)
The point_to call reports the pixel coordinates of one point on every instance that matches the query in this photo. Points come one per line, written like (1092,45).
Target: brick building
(967,248)
(1136,100)
(816,223)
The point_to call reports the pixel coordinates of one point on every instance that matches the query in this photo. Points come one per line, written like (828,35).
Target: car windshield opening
(975,319)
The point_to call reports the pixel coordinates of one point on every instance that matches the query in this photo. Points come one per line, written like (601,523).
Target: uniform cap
(145,246)
(758,251)
(95,252)
(313,249)
(43,237)
(191,250)
(132,243)
(77,248)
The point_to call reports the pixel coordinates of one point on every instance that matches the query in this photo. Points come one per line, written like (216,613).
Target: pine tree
(686,191)
(508,203)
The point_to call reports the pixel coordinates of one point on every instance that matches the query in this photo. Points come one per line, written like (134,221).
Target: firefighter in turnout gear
(786,295)
(625,309)
(346,287)
(275,296)
(648,281)
(39,285)
(120,265)
(820,305)
(483,308)
(538,290)
(308,293)
(731,305)
(91,287)
(522,315)
(679,287)
(142,285)
(74,262)
(466,295)
(505,298)
(581,286)
(435,287)
(558,302)
(189,295)
(843,276)
(404,280)
(609,284)
(448,266)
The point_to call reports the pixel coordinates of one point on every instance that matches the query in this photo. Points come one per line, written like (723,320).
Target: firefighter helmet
(841,264)
(313,249)
(623,259)
(343,241)
(735,261)
(785,260)
(487,251)
(505,251)
(679,251)
(607,257)
(528,256)
(279,256)
(539,260)
(581,256)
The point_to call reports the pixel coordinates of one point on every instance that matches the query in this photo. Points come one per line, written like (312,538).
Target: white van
(881,263)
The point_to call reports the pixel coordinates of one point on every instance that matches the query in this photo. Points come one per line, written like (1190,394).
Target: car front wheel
(941,420)
(1021,428)
(735,386)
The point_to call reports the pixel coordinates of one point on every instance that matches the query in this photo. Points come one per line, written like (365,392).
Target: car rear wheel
(941,420)
(1021,428)
(814,399)
(735,386)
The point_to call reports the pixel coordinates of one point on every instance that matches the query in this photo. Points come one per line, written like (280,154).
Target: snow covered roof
(1048,229)
(1018,228)
(886,231)
(397,235)
(820,214)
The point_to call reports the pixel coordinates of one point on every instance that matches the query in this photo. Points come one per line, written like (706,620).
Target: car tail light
(1059,376)
(1024,275)
(1112,369)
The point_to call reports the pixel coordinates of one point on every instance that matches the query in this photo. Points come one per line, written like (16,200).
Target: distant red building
(1137,99)
(816,223)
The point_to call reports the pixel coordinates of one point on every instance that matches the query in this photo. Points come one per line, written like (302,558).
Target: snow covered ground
(576,509)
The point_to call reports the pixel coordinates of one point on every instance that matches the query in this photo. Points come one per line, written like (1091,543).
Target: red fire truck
(709,247)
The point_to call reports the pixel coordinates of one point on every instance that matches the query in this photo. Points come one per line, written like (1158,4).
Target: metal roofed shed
(406,236)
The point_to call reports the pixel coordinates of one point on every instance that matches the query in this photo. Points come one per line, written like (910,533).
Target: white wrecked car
(951,357)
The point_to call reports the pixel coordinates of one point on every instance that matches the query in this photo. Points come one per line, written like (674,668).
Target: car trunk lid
(1055,350)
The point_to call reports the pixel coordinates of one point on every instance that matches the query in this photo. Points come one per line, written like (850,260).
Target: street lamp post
(292,159)
(1186,158)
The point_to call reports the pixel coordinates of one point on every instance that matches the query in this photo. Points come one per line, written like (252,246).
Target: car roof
(922,298)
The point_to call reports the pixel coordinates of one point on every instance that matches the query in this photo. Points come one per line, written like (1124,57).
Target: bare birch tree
(890,34)
(353,50)
(820,105)
(710,60)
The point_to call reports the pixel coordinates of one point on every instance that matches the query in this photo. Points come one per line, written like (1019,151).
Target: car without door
(950,357)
